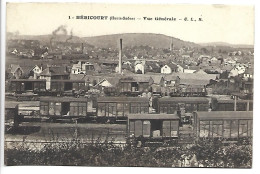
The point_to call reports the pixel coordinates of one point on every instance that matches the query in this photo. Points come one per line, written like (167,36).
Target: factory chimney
(82,48)
(120,57)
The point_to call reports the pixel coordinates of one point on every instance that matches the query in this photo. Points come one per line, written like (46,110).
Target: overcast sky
(232,24)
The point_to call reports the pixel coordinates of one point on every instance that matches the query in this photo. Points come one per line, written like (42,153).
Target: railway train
(143,125)
(76,88)
(116,109)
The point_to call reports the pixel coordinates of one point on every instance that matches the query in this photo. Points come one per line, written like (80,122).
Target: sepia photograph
(129,85)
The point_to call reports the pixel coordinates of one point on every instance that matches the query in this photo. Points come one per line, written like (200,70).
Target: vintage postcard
(129,85)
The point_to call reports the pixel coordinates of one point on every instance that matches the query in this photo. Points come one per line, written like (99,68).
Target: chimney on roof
(120,57)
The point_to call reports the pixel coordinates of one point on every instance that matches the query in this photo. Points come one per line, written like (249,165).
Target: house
(31,71)
(191,69)
(76,69)
(169,68)
(83,67)
(153,66)
(171,80)
(248,74)
(135,84)
(238,69)
(16,71)
(139,66)
(195,79)
(54,72)
(213,69)
(181,68)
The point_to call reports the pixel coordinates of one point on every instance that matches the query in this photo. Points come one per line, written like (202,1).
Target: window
(234,128)
(120,109)
(243,128)
(216,128)
(163,109)
(132,127)
(166,128)
(44,107)
(135,108)
(146,128)
(138,128)
(57,108)
(101,109)
(204,129)
(111,110)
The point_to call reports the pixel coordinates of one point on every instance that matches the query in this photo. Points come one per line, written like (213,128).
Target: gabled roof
(112,80)
(157,79)
(171,65)
(28,69)
(14,67)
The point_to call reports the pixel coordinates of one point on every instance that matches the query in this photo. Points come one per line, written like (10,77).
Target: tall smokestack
(82,47)
(120,57)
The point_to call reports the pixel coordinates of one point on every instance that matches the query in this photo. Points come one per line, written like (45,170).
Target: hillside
(137,39)
(224,44)
(111,41)
(45,39)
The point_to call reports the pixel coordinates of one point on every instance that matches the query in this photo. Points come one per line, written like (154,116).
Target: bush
(73,153)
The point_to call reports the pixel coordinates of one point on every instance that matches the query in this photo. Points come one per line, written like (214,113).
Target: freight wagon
(230,125)
(68,87)
(114,109)
(54,108)
(171,105)
(12,119)
(152,127)
(20,86)
(229,105)
(55,87)
(182,106)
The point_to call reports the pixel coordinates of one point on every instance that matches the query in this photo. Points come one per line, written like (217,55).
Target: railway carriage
(117,108)
(152,127)
(171,105)
(12,119)
(230,125)
(229,105)
(57,87)
(68,87)
(54,108)
(27,85)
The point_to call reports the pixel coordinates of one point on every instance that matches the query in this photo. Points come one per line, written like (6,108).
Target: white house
(169,68)
(139,67)
(104,83)
(76,69)
(237,70)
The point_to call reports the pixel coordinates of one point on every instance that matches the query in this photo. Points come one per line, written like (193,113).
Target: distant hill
(224,44)
(45,39)
(129,40)
(137,39)
(111,41)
